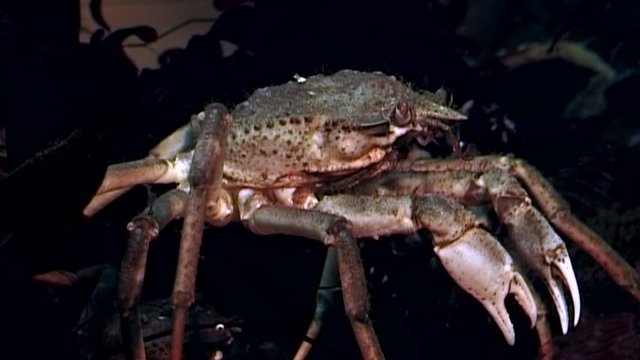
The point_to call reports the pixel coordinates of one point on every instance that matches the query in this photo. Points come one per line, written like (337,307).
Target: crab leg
(325,298)
(551,204)
(167,162)
(205,177)
(122,177)
(331,230)
(142,230)
(493,179)
(536,241)
(471,256)
(541,248)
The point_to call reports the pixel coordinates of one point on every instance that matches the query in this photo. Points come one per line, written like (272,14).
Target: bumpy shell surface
(279,136)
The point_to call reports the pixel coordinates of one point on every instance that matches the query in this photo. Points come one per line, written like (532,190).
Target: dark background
(70,109)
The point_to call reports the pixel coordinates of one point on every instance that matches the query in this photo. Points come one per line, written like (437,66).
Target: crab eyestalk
(402,114)
(427,120)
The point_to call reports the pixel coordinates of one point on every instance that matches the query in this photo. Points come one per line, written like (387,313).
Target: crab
(208,333)
(323,158)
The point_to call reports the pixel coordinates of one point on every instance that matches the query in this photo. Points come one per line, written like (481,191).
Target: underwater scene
(280,179)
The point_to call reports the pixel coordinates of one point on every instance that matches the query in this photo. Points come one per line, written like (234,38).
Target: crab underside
(391,195)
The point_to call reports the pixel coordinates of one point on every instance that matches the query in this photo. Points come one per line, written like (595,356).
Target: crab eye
(402,114)
(220,327)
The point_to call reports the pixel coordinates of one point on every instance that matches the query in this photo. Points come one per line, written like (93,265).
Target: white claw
(501,317)
(522,293)
(546,253)
(563,266)
(561,304)
(484,269)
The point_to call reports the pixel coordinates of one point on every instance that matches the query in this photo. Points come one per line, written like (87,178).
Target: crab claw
(544,251)
(484,269)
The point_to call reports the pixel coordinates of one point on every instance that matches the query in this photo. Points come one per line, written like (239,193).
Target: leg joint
(339,228)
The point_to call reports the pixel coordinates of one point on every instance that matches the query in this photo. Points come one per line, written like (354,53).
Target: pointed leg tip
(501,317)
(560,302)
(564,270)
(511,340)
(498,311)
(524,297)
(576,309)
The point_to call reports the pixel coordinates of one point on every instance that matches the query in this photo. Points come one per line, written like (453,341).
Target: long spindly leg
(167,162)
(471,256)
(142,230)
(336,231)
(328,290)
(121,177)
(550,203)
(205,179)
